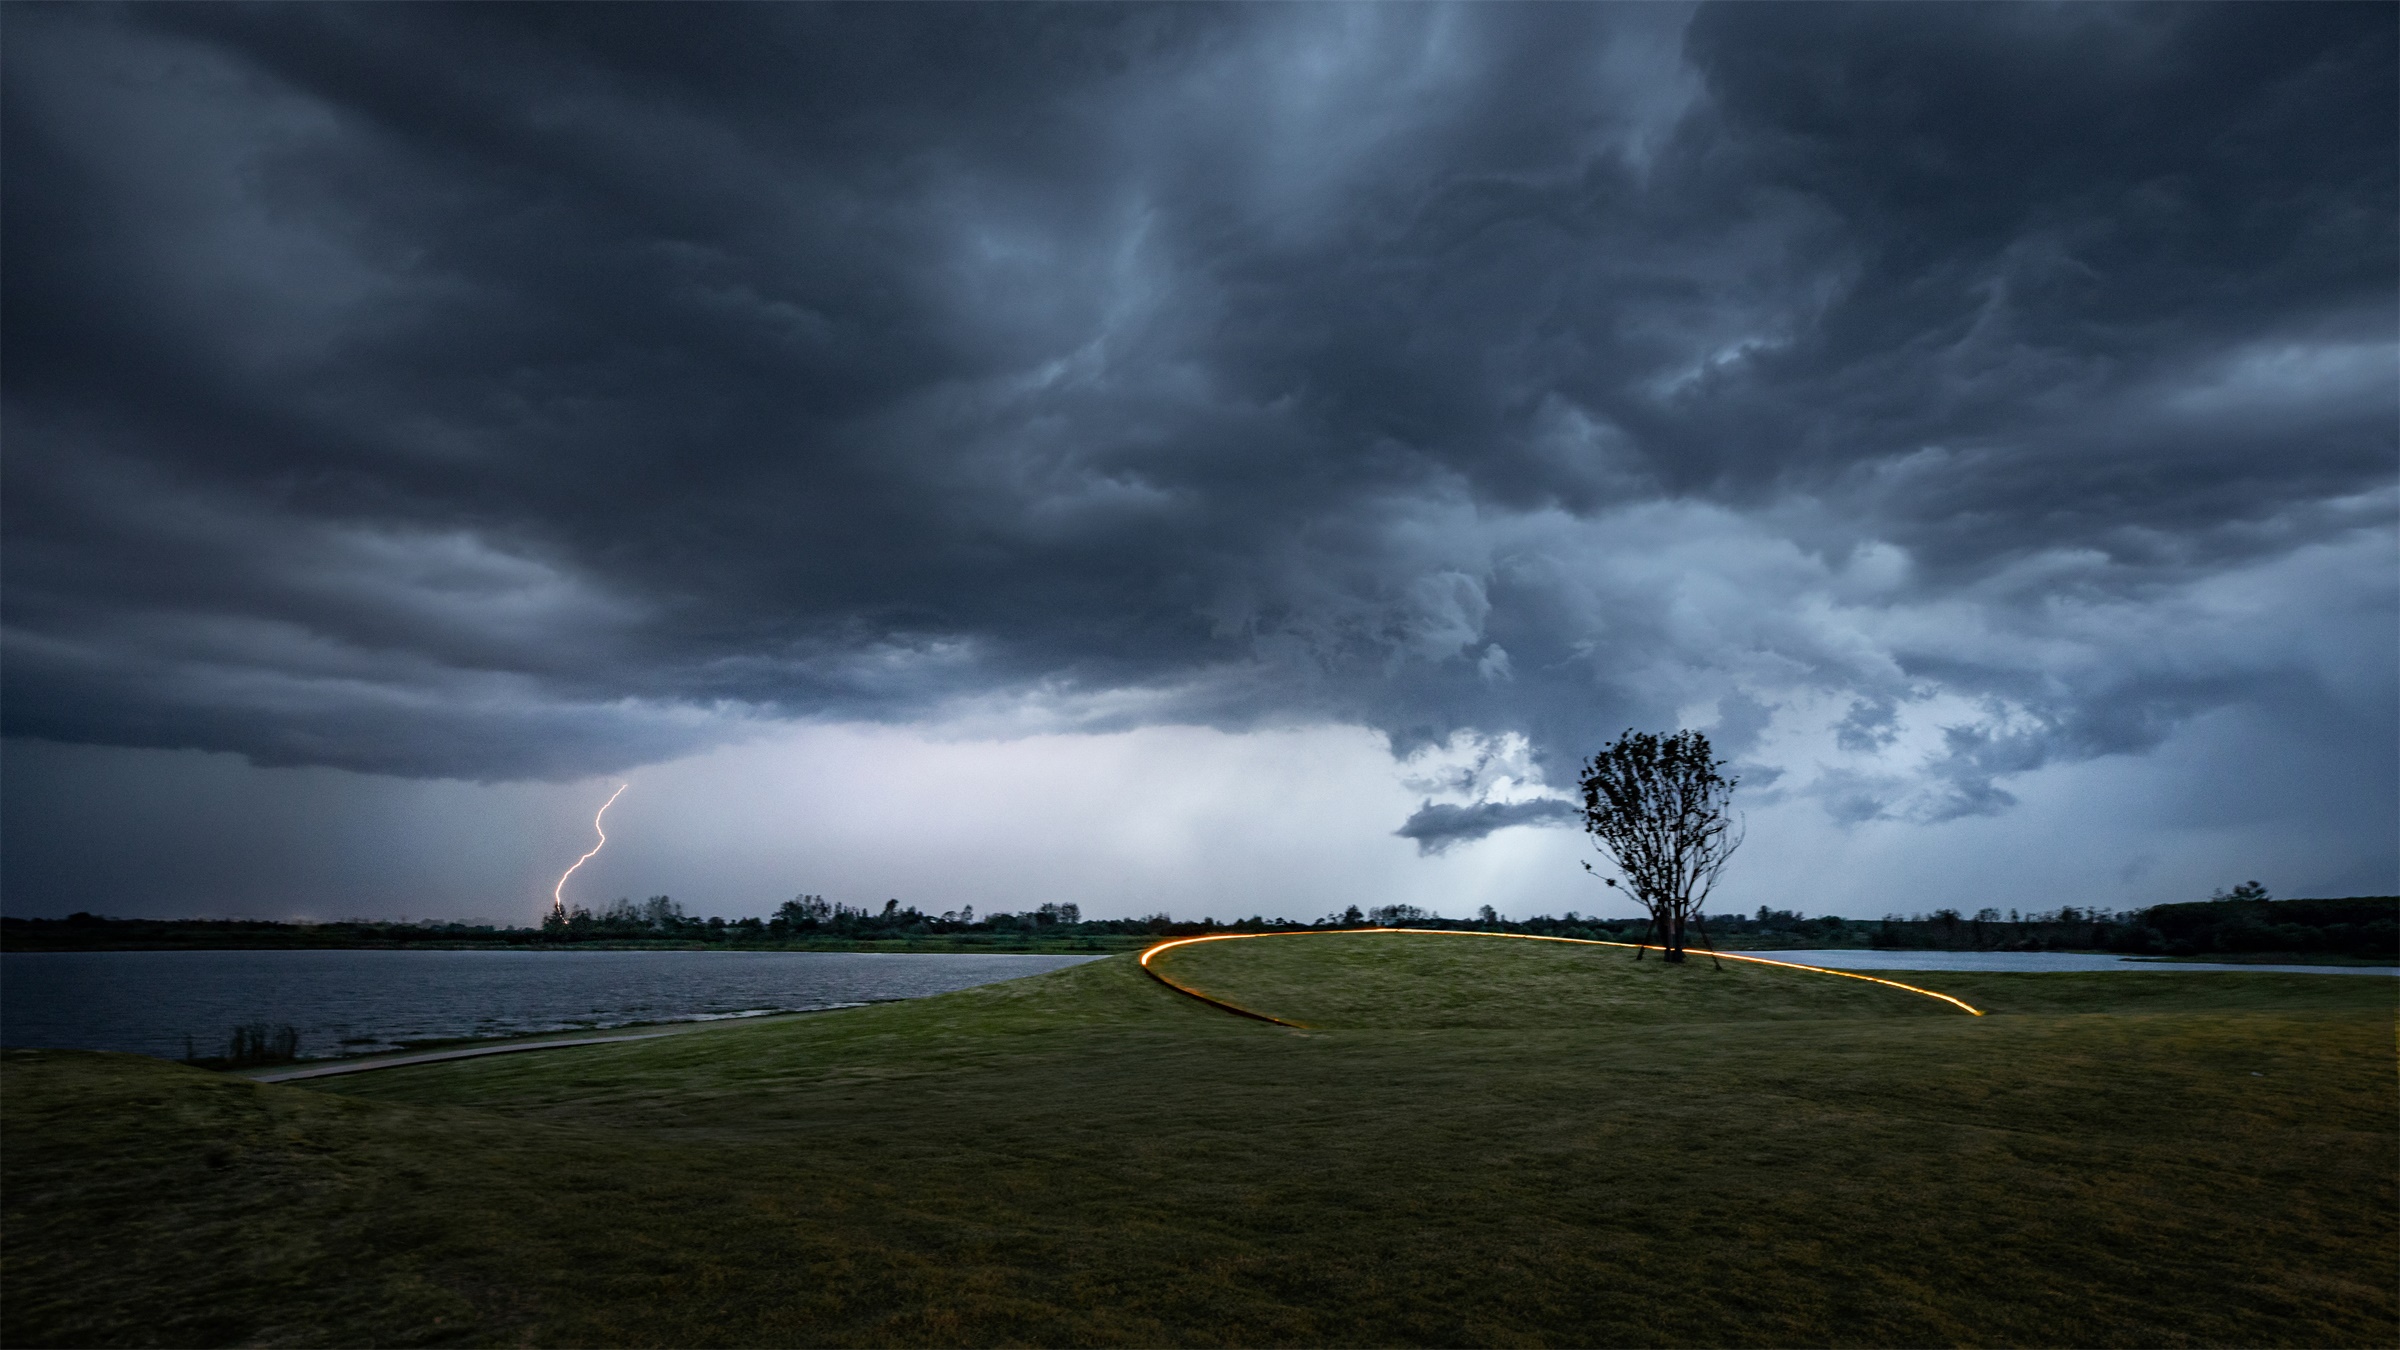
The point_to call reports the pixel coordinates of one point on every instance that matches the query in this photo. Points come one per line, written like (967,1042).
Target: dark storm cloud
(526,391)
(1437,826)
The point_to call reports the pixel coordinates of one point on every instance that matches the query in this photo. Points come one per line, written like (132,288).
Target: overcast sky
(1226,460)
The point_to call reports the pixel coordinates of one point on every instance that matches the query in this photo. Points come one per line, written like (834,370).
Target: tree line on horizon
(2245,921)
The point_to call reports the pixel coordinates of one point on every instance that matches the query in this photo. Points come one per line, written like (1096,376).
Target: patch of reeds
(252,1044)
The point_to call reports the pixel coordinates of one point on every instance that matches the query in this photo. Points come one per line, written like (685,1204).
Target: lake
(359,1002)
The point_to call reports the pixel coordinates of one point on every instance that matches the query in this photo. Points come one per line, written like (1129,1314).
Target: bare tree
(1659,809)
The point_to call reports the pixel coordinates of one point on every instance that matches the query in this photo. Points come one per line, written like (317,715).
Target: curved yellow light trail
(558,893)
(1237,1008)
(1180,988)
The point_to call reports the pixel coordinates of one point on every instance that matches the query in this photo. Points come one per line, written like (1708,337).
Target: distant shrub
(2139,938)
(259,1043)
(2356,926)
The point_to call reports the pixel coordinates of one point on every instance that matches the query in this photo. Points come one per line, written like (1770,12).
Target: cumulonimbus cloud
(502,393)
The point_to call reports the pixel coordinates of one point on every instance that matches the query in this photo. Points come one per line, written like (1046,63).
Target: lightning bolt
(558,893)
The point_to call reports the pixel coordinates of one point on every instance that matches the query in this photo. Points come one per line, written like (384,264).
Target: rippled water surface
(353,1002)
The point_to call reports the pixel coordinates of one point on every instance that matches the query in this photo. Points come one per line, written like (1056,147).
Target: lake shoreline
(214,1008)
(1097,946)
(469,1047)
(906,946)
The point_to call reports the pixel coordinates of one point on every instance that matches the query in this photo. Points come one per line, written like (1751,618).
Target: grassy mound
(1457,980)
(1478,1142)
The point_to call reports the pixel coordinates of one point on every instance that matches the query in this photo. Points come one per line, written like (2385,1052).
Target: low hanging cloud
(525,393)
(1439,826)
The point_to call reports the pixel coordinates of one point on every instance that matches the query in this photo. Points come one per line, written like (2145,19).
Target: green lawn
(1475,1141)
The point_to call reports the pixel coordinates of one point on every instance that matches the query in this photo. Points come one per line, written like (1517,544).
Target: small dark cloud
(1870,725)
(1439,826)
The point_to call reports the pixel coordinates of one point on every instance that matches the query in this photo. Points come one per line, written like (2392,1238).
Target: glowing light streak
(1181,988)
(558,893)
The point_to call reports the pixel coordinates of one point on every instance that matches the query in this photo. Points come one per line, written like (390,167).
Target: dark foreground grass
(1477,1141)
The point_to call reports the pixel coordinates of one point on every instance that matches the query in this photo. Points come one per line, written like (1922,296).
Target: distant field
(1477,1141)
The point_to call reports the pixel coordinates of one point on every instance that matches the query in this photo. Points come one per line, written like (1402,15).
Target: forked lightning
(558,893)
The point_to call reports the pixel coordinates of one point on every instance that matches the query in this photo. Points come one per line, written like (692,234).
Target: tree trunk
(1642,948)
(1674,927)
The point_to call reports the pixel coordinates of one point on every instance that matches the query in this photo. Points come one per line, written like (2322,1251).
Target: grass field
(1475,1141)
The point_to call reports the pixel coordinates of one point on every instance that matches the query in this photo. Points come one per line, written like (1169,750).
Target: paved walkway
(436,1056)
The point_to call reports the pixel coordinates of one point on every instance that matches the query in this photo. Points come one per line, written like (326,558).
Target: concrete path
(436,1056)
